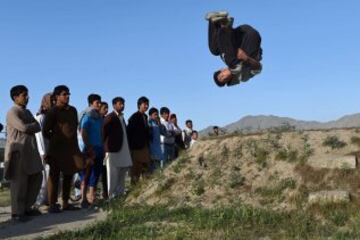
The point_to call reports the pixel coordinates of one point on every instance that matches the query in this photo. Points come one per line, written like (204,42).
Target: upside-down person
(238,47)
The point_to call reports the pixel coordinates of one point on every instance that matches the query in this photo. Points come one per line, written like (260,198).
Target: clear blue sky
(159,49)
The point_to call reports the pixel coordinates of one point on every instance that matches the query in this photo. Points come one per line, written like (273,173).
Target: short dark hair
(188,121)
(104,103)
(59,89)
(17,90)
(153,110)
(215,127)
(219,84)
(142,100)
(93,97)
(118,99)
(164,110)
(194,132)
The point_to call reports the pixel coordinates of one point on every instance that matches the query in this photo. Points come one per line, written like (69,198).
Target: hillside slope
(272,170)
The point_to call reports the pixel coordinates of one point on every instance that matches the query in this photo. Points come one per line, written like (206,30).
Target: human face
(119,107)
(63,98)
(96,105)
(154,116)
(104,110)
(143,107)
(173,120)
(165,116)
(189,125)
(224,76)
(22,99)
(195,136)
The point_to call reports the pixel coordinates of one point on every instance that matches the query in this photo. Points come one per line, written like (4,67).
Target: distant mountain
(262,122)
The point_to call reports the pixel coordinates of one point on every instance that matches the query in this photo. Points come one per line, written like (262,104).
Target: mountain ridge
(254,123)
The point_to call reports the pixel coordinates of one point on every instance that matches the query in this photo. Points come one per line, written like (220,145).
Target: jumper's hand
(241,55)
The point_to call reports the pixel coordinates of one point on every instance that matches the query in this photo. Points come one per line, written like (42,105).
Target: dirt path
(47,224)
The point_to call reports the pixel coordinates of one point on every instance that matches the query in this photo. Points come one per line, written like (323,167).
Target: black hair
(142,100)
(59,89)
(172,116)
(153,110)
(93,97)
(194,132)
(215,127)
(164,110)
(104,103)
(188,121)
(219,84)
(118,99)
(17,90)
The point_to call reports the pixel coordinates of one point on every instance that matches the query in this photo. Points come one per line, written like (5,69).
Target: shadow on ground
(46,224)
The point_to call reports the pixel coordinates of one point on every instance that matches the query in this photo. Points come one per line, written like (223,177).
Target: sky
(158,49)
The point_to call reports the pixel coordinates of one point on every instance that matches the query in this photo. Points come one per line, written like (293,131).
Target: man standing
(238,47)
(168,139)
(91,126)
(186,134)
(63,154)
(139,137)
(23,164)
(117,154)
(156,155)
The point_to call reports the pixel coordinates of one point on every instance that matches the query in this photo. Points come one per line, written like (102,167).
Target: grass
(198,186)
(4,197)
(277,190)
(355,140)
(235,179)
(233,222)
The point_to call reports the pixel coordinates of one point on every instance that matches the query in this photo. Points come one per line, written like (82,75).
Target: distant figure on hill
(179,143)
(216,130)
(194,138)
(1,127)
(238,47)
(186,134)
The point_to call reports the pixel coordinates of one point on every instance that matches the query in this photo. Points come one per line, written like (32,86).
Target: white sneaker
(219,14)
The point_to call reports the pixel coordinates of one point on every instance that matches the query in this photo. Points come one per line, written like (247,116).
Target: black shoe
(33,212)
(54,208)
(70,207)
(19,218)
(85,204)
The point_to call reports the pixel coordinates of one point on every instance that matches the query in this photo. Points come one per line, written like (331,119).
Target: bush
(355,141)
(334,142)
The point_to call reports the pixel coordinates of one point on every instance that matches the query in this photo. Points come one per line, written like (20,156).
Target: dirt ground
(47,224)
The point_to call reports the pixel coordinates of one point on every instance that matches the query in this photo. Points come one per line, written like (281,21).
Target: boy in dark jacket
(139,136)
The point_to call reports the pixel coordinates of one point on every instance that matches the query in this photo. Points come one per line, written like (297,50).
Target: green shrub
(355,140)
(198,187)
(333,142)
(236,180)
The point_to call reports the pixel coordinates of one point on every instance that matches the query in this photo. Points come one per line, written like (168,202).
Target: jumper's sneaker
(218,15)
(230,21)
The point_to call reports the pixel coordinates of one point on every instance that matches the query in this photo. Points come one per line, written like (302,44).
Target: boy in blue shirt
(91,125)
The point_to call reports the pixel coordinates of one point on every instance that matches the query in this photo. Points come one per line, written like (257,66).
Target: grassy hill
(243,187)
